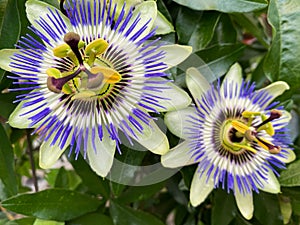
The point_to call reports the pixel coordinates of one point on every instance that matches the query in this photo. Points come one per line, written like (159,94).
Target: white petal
(147,11)
(233,75)
(162,24)
(178,156)
(200,188)
(172,98)
(244,203)
(36,10)
(270,184)
(153,139)
(101,161)
(275,89)
(177,121)
(49,154)
(196,82)
(175,54)
(5,58)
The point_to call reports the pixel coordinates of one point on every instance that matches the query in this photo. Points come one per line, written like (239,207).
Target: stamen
(239,126)
(56,84)
(275,114)
(72,39)
(268,146)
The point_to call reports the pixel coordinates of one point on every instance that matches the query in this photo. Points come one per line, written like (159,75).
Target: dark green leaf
(282,61)
(204,30)
(139,193)
(9,25)
(6,104)
(250,23)
(67,179)
(225,6)
(123,215)
(23,221)
(52,204)
(225,31)
(92,219)
(224,209)
(8,179)
(266,209)
(213,62)
(291,176)
(94,183)
(186,23)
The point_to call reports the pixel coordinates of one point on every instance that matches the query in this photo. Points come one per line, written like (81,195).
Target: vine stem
(31,159)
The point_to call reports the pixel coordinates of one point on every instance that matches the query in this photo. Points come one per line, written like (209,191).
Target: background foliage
(264,37)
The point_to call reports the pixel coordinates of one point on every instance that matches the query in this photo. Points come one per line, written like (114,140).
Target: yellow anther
(62,50)
(239,126)
(250,114)
(53,72)
(96,47)
(110,76)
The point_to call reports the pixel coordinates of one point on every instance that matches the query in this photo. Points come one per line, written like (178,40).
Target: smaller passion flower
(235,134)
(92,75)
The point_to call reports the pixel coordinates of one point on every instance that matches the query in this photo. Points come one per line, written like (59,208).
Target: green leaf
(291,176)
(52,204)
(282,60)
(123,215)
(266,209)
(8,179)
(94,183)
(22,221)
(47,222)
(9,18)
(139,193)
(250,23)
(91,219)
(220,214)
(6,104)
(212,62)
(225,6)
(67,179)
(204,30)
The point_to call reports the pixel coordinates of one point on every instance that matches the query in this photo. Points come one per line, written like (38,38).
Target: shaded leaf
(225,6)
(52,204)
(91,219)
(123,215)
(291,176)
(282,60)
(22,221)
(67,179)
(8,179)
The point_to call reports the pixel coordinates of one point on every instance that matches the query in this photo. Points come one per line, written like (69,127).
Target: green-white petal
(175,54)
(283,120)
(244,203)
(101,161)
(234,74)
(275,89)
(5,58)
(200,188)
(177,121)
(172,98)
(270,184)
(153,139)
(147,11)
(178,156)
(37,9)
(162,24)
(49,154)
(19,118)
(196,83)
(291,156)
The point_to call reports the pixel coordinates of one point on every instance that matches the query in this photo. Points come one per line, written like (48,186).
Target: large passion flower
(236,135)
(92,75)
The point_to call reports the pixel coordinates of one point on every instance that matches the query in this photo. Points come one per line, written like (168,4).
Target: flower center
(239,134)
(90,75)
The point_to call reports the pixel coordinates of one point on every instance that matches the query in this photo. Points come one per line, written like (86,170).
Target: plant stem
(31,159)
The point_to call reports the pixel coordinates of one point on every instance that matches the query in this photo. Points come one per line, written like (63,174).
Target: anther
(72,39)
(268,146)
(56,84)
(275,114)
